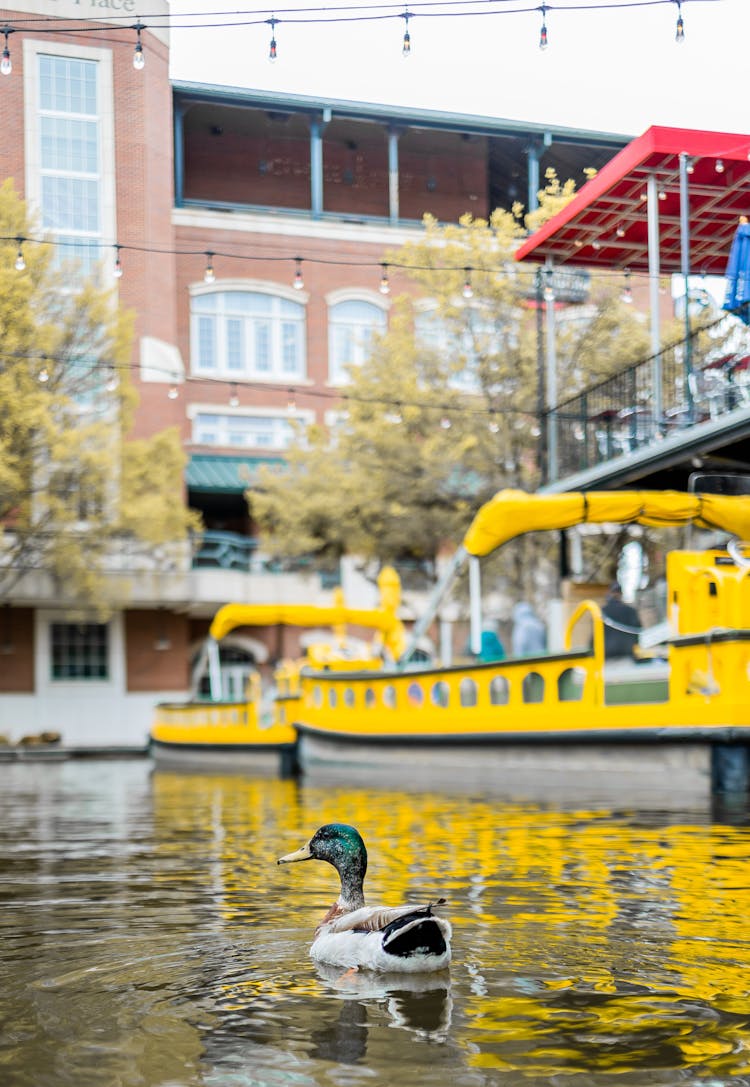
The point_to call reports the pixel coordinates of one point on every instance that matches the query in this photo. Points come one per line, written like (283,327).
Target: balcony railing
(618,416)
(231,551)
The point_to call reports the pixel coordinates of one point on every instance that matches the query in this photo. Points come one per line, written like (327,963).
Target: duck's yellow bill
(302,854)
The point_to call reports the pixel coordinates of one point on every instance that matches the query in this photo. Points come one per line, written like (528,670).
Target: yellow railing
(217,723)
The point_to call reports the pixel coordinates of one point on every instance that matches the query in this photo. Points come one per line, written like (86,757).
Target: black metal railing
(623,414)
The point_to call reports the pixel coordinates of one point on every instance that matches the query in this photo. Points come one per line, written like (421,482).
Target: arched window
(352,324)
(247,334)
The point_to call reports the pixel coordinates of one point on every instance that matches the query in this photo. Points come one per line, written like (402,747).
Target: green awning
(215,474)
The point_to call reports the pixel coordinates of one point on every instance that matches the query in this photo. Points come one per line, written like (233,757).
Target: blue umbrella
(738,274)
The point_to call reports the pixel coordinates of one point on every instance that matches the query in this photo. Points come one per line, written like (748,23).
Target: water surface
(148,937)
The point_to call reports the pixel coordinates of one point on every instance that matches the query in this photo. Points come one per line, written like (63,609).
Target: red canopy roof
(606,223)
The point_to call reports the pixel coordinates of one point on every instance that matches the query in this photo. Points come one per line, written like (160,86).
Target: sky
(612,69)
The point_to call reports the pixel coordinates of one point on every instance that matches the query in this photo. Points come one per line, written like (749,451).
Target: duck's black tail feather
(417,933)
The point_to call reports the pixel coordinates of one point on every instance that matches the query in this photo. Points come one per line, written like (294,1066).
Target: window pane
(69,144)
(290,347)
(206,343)
(79,650)
(70,203)
(262,346)
(234,344)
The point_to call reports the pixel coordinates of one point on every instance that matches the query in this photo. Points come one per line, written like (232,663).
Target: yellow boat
(545,723)
(255,733)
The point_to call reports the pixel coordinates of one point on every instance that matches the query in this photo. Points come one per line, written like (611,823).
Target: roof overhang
(606,223)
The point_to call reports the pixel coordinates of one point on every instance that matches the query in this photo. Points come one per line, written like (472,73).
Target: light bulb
(468,291)
(117,270)
(620,232)
(20,264)
(138,56)
(111,383)
(272,46)
(719,166)
(234,400)
(298,280)
(291,404)
(493,426)
(679,35)
(172,394)
(627,291)
(209,276)
(385,286)
(445,423)
(43,375)
(543,42)
(6,65)
(406,47)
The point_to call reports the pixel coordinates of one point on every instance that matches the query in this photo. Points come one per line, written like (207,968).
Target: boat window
(349,697)
(570,685)
(370,697)
(499,691)
(389,697)
(440,694)
(333,697)
(317,697)
(533,687)
(415,694)
(468,692)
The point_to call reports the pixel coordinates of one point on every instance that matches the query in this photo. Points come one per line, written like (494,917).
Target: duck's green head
(341,846)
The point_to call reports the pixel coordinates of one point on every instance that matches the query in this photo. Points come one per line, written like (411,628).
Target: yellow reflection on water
(583,940)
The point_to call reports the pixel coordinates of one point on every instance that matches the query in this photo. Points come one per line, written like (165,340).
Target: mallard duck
(405,939)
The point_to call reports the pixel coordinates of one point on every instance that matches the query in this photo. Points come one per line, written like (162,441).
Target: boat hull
(671,771)
(262,759)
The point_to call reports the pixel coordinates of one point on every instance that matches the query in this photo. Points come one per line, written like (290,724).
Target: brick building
(250,229)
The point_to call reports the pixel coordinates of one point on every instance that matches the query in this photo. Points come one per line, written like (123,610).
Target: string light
(291,401)
(543,43)
(719,166)
(139,58)
(43,375)
(493,426)
(627,291)
(117,270)
(385,286)
(173,393)
(234,400)
(468,290)
(445,423)
(209,276)
(298,280)
(679,36)
(272,47)
(406,47)
(20,264)
(6,64)
(620,232)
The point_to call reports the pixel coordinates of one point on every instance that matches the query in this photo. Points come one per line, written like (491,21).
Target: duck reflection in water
(420,1004)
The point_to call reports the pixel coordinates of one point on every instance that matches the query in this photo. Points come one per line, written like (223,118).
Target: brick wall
(148,667)
(16,650)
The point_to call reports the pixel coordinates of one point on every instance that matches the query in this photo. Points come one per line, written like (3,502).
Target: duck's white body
(368,939)
(403,939)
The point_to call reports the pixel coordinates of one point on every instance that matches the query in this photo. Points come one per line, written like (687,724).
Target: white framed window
(245,333)
(79,651)
(352,325)
(241,431)
(70,148)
